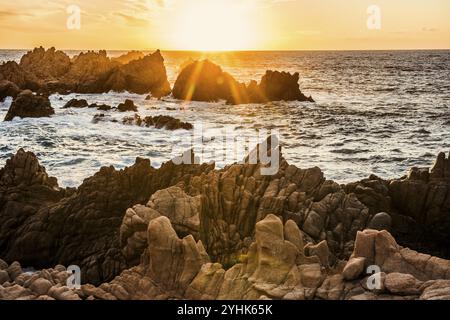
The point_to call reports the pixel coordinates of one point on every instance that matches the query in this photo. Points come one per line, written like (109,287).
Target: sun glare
(213,25)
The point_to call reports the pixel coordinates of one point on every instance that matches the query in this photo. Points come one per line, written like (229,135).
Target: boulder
(354,268)
(402,284)
(40,286)
(159,122)
(381,221)
(75,103)
(128,105)
(29,105)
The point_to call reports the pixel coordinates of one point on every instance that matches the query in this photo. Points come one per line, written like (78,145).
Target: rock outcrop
(28,105)
(188,231)
(13,72)
(128,105)
(205,81)
(128,57)
(418,204)
(46,65)
(81,228)
(50,71)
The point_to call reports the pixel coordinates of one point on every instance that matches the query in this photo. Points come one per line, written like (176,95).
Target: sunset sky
(226,24)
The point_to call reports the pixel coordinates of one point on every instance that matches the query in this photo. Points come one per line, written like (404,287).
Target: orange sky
(226,24)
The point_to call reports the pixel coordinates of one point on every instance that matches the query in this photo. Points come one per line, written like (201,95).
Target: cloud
(131,20)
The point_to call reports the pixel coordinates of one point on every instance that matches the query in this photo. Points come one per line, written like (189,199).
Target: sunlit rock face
(192,232)
(206,81)
(52,71)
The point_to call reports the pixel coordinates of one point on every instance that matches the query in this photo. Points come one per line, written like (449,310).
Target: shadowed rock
(51,71)
(159,122)
(128,105)
(83,228)
(29,105)
(75,103)
(128,57)
(8,89)
(205,81)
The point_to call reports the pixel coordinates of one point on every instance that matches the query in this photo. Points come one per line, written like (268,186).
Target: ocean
(378,112)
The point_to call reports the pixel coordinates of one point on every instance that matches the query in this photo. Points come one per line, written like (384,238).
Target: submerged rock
(29,105)
(75,103)
(159,122)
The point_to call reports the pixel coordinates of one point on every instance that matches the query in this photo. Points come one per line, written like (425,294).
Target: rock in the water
(276,86)
(100,107)
(75,103)
(206,81)
(51,71)
(159,122)
(8,89)
(128,105)
(29,105)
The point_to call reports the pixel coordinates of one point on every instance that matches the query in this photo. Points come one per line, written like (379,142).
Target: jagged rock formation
(82,228)
(47,65)
(128,57)
(191,232)
(205,81)
(52,71)
(419,205)
(275,267)
(159,122)
(28,105)
(12,72)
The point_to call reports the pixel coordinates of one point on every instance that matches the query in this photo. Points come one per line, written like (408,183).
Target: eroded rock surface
(189,231)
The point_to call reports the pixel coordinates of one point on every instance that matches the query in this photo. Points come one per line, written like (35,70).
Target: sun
(213,25)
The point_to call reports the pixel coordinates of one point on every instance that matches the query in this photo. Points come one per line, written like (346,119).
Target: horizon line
(229,51)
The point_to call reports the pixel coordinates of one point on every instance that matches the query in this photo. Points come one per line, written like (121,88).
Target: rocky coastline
(191,231)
